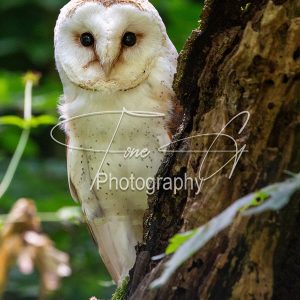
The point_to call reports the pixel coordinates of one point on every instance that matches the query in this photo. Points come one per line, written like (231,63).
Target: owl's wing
(116,244)
(72,187)
(114,236)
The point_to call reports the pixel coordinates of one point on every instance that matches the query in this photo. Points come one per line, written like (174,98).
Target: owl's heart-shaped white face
(107,48)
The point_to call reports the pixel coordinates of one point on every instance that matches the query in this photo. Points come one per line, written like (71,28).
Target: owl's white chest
(111,144)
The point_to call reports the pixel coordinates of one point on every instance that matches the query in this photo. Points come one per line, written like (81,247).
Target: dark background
(26,43)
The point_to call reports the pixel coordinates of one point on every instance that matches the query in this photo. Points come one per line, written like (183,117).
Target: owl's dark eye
(129,39)
(87,39)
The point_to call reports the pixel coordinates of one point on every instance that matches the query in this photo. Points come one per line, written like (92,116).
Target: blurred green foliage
(26,43)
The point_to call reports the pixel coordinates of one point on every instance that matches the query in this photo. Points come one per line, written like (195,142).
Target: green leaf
(32,123)
(258,199)
(12,120)
(274,197)
(179,239)
(42,120)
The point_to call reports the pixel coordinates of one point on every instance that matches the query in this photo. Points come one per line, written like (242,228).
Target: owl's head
(108,45)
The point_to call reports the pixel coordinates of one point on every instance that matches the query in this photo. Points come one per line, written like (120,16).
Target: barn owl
(114,56)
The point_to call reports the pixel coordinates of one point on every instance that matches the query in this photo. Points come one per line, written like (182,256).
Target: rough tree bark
(242,58)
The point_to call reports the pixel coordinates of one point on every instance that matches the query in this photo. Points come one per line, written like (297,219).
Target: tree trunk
(244,57)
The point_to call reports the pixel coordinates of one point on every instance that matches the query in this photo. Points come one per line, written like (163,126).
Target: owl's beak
(106,67)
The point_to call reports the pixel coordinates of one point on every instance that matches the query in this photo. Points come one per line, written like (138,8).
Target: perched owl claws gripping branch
(111,55)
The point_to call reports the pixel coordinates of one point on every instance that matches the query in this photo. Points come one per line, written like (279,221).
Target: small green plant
(121,291)
(26,123)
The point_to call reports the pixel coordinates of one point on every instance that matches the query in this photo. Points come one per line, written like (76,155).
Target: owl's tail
(116,238)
